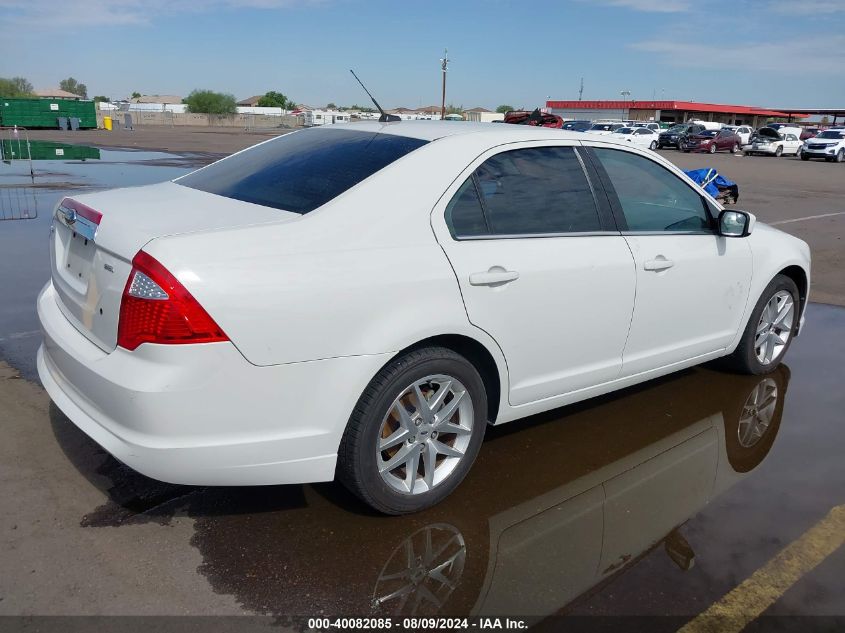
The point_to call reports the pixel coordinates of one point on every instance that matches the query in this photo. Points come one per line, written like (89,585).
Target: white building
(311,118)
(483,115)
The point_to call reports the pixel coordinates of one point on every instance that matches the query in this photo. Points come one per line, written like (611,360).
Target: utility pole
(581,90)
(444,65)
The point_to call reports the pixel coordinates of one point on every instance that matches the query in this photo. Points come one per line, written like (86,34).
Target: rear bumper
(201,414)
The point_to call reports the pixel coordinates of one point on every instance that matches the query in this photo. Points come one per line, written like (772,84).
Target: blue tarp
(712,182)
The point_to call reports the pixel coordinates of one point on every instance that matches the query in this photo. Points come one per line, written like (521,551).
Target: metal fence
(17,201)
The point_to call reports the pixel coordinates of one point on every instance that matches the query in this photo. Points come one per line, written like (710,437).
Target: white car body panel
(330,297)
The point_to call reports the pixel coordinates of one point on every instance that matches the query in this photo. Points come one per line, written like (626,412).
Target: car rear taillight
(157,308)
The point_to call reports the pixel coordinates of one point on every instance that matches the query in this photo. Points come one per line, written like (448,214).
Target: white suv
(829,145)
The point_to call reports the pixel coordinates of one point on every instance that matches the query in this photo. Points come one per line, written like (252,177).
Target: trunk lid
(95,236)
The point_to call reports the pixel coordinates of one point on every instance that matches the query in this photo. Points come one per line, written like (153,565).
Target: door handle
(493,277)
(658,263)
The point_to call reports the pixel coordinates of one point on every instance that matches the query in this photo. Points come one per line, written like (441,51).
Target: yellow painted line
(762,589)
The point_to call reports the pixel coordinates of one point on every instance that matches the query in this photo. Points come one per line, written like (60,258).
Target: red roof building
(663,110)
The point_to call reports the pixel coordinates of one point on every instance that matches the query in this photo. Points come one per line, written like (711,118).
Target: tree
(502,109)
(331,106)
(71,85)
(210,102)
(99,98)
(136,95)
(275,99)
(15,87)
(453,109)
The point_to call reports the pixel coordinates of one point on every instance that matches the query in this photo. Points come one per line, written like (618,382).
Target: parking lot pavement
(659,500)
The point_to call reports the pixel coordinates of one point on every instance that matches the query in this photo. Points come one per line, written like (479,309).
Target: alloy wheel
(757,413)
(774,327)
(425,434)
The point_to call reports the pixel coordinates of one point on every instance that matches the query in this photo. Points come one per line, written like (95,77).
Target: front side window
(652,198)
(531,191)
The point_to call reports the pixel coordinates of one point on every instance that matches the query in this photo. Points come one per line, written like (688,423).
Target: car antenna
(385,117)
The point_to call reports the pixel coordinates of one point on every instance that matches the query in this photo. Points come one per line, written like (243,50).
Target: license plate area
(75,252)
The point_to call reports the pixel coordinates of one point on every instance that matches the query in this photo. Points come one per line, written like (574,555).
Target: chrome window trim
(526,236)
(635,233)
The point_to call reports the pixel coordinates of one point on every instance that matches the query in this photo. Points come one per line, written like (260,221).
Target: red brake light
(83,210)
(157,308)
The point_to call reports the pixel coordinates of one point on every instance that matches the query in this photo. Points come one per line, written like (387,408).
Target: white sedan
(769,141)
(360,301)
(640,136)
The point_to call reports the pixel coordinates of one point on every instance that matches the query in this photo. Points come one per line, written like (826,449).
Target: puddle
(29,191)
(656,500)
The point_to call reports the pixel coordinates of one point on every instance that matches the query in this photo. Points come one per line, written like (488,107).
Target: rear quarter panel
(361,275)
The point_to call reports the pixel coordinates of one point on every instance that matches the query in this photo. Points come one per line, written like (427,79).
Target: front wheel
(653,145)
(415,431)
(769,331)
(735,148)
(804,156)
(779,151)
(840,156)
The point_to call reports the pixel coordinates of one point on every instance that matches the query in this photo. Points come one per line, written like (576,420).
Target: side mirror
(735,223)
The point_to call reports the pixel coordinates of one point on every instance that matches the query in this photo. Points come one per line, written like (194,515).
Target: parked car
(534,118)
(639,136)
(310,307)
(829,145)
(603,129)
(708,125)
(808,132)
(673,137)
(743,132)
(651,125)
(769,141)
(711,141)
(577,126)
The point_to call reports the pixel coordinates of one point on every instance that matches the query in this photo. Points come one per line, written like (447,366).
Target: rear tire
(436,453)
(713,148)
(735,148)
(769,331)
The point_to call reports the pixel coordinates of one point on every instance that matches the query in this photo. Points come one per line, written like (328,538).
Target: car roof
(433,130)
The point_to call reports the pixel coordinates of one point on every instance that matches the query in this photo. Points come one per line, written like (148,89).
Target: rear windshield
(301,171)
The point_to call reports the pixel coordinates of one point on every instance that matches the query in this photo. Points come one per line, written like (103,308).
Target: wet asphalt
(656,500)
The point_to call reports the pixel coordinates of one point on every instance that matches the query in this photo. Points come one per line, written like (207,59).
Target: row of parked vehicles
(774,139)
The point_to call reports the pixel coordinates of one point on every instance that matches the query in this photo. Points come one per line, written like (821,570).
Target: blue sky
(758,52)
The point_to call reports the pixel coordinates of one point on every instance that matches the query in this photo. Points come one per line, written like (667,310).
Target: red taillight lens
(156,308)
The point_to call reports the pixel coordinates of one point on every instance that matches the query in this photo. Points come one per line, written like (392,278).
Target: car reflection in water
(553,507)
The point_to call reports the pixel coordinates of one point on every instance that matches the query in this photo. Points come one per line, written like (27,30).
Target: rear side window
(525,192)
(301,171)
(464,214)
